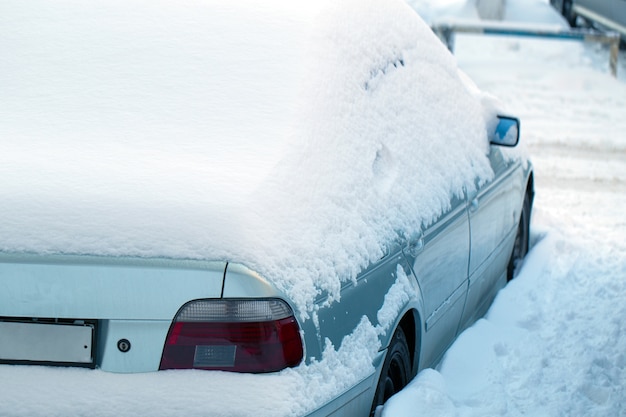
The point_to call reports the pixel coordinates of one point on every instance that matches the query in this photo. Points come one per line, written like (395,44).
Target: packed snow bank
(552,344)
(297,139)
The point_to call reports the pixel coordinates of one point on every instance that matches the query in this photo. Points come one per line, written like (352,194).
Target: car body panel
(365,297)
(106,290)
(96,287)
(440,265)
(146,338)
(242,282)
(608,13)
(494,214)
(495,208)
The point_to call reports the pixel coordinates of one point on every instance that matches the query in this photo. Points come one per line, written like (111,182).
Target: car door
(439,258)
(493,212)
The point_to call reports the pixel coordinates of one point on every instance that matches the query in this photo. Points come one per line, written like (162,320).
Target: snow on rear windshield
(298,139)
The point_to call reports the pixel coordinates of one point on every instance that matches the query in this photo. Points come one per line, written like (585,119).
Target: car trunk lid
(89,287)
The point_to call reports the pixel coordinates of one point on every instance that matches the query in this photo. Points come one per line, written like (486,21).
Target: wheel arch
(530,186)
(411,325)
(530,191)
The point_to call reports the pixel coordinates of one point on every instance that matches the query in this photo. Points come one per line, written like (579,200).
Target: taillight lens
(237,335)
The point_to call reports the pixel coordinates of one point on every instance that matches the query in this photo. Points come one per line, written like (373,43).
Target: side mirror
(507,132)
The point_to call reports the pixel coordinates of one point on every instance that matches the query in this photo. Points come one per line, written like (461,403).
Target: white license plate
(42,343)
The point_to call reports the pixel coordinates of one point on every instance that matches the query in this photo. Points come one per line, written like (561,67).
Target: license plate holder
(66,343)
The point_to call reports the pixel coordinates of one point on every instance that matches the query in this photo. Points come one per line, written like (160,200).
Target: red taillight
(233,335)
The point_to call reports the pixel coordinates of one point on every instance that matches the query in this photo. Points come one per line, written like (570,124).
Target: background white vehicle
(610,14)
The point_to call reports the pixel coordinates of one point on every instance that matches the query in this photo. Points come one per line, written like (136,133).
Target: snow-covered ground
(554,341)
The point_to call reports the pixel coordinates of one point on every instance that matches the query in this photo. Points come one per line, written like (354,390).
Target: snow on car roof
(297,139)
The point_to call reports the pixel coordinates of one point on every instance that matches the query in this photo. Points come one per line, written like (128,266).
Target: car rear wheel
(520,248)
(565,8)
(568,13)
(396,371)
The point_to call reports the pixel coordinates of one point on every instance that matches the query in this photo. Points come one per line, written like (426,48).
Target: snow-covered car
(310,196)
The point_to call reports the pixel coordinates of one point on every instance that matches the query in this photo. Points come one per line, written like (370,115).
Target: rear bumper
(102,287)
(38,391)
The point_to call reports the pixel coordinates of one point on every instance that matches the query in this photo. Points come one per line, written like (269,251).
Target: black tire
(520,248)
(558,5)
(568,13)
(565,8)
(396,372)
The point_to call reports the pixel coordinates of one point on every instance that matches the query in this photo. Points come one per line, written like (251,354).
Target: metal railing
(447,30)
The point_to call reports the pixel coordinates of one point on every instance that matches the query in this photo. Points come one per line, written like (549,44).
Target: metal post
(614,55)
